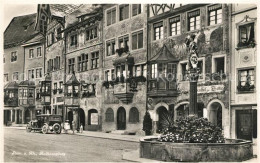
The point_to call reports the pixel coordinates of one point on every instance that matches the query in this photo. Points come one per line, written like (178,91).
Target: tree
(147,124)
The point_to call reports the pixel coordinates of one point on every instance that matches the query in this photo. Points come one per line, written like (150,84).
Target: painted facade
(167,31)
(122,108)
(84,52)
(244,72)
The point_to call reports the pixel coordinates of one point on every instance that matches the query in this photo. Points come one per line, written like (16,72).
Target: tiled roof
(21,28)
(28,83)
(39,38)
(164,55)
(11,85)
(63,9)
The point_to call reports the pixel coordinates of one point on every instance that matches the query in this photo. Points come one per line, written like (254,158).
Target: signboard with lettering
(210,89)
(94,118)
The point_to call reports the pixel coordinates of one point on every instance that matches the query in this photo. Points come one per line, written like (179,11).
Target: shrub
(192,130)
(147,124)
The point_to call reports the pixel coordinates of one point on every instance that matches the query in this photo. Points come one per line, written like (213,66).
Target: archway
(161,111)
(121,118)
(70,117)
(215,113)
(182,110)
(27,116)
(18,116)
(82,118)
(92,117)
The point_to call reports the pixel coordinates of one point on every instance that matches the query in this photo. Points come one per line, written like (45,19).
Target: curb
(135,141)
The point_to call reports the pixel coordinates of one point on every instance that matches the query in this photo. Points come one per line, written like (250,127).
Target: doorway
(244,124)
(161,111)
(27,116)
(82,118)
(70,118)
(121,118)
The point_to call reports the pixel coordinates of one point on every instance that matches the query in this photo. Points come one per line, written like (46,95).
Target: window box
(60,90)
(120,51)
(55,91)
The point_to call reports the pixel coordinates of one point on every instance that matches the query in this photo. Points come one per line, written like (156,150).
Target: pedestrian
(81,128)
(73,126)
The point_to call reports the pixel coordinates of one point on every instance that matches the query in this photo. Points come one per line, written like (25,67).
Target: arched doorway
(92,117)
(161,111)
(70,117)
(182,111)
(27,116)
(215,114)
(200,109)
(82,118)
(121,118)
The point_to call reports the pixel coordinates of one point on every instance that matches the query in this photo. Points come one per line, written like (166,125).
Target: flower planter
(231,150)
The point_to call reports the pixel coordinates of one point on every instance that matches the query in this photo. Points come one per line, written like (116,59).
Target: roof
(62,10)
(21,28)
(11,85)
(87,9)
(163,55)
(27,83)
(72,81)
(39,38)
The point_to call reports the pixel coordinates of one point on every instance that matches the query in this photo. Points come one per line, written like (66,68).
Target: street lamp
(193,73)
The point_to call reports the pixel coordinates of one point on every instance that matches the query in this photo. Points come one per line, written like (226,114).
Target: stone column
(193,109)
(11,116)
(15,116)
(23,116)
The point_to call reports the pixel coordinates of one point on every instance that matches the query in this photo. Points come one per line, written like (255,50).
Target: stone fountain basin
(231,150)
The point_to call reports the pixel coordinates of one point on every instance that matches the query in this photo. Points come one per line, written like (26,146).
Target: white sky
(13,10)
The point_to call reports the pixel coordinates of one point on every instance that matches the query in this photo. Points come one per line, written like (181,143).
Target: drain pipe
(230,67)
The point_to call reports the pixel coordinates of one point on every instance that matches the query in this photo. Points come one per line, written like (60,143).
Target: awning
(164,55)
(11,85)
(124,59)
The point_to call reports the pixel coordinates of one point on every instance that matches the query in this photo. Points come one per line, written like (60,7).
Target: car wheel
(28,128)
(57,128)
(44,129)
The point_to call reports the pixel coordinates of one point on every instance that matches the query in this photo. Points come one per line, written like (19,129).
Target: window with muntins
(123,41)
(246,35)
(111,46)
(73,40)
(91,33)
(13,56)
(133,115)
(71,65)
(246,80)
(15,76)
(136,9)
(175,26)
(137,40)
(194,20)
(94,60)
(123,12)
(31,55)
(30,74)
(109,115)
(39,52)
(215,14)
(111,16)
(38,72)
(158,31)
(83,62)
(154,71)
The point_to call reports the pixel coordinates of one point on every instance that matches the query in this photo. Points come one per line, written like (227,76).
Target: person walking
(81,128)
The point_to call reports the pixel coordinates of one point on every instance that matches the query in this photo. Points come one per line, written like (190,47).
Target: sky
(13,10)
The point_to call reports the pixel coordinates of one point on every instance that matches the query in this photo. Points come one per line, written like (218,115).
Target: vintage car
(45,123)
